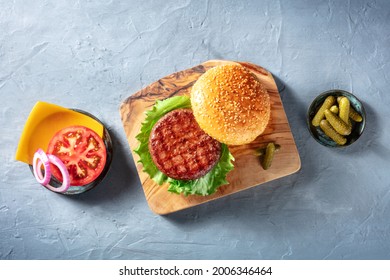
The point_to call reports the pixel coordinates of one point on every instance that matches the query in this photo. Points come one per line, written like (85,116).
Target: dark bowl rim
(327,93)
(109,150)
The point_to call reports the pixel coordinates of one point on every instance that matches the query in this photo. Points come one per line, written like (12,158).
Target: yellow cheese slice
(42,124)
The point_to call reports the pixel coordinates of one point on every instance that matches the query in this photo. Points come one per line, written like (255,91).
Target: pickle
(329,101)
(329,130)
(269,156)
(261,151)
(334,109)
(355,115)
(344,109)
(340,126)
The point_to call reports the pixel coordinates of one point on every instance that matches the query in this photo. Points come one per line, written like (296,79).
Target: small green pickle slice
(332,133)
(269,156)
(340,126)
(329,101)
(334,109)
(355,115)
(261,151)
(344,107)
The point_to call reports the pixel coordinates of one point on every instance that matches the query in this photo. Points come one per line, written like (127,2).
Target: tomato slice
(82,151)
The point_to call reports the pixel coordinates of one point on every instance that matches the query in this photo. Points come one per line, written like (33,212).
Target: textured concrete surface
(91,55)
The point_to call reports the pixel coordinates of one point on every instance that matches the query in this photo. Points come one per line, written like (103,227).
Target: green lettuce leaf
(206,185)
(152,116)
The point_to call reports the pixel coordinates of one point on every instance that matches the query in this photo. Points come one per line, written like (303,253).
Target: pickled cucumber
(334,109)
(261,151)
(332,133)
(329,101)
(269,156)
(355,115)
(344,108)
(340,126)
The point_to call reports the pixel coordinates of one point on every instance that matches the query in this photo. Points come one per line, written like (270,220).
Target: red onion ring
(64,172)
(40,158)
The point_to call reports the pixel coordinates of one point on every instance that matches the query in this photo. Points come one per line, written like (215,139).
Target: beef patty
(180,148)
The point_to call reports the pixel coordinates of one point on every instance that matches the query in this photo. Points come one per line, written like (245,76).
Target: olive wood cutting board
(247,170)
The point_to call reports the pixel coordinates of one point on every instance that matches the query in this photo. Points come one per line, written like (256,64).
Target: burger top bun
(230,104)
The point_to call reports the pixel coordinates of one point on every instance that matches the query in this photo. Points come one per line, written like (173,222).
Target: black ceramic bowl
(357,127)
(109,149)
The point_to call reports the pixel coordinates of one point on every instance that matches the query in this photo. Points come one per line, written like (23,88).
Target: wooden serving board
(247,172)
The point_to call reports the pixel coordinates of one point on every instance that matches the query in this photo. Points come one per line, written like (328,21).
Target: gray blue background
(91,55)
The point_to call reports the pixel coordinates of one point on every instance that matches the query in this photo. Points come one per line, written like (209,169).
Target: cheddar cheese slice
(43,123)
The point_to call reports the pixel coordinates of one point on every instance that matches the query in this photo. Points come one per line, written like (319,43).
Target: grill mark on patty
(180,148)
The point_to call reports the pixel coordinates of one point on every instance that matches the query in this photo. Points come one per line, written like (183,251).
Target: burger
(184,139)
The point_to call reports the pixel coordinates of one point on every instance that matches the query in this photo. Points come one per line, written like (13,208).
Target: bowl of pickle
(336,118)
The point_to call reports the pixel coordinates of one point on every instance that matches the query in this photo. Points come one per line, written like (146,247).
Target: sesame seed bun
(230,104)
